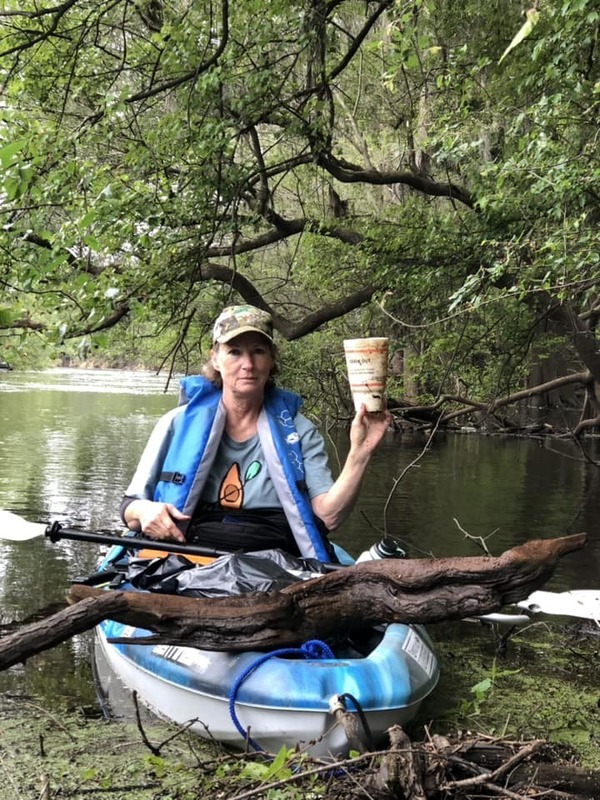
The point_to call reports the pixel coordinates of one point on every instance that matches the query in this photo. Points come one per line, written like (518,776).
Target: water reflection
(505,491)
(70,440)
(105,381)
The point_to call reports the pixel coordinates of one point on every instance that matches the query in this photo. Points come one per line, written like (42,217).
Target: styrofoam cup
(367,363)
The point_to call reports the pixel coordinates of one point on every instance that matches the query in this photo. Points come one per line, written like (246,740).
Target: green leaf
(482,687)
(255,771)
(89,773)
(533,16)
(9,151)
(87,218)
(278,768)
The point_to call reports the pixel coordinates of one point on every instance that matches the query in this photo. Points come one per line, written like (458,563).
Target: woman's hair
(214,376)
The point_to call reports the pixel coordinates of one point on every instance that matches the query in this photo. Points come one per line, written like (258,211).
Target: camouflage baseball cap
(235,320)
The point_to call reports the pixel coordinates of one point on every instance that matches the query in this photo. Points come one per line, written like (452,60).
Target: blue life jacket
(194,446)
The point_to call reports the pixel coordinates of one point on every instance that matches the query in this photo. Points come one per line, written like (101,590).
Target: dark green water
(70,440)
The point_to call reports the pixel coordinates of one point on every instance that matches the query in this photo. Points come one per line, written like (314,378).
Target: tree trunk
(50,631)
(393,590)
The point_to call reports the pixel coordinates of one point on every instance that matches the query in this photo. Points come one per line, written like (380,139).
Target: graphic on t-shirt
(231,491)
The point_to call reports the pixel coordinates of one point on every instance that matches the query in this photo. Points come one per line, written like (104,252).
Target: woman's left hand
(368,429)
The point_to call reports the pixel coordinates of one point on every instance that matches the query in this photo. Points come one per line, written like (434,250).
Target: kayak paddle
(579,603)
(17,529)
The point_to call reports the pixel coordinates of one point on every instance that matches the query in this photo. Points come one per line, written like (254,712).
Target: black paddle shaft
(56,531)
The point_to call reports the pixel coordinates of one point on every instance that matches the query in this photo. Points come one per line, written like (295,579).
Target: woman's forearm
(366,434)
(334,506)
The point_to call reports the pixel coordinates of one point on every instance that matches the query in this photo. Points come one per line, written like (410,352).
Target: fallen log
(439,767)
(64,624)
(393,590)
(556,777)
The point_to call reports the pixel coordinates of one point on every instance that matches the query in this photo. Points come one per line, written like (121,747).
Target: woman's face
(244,364)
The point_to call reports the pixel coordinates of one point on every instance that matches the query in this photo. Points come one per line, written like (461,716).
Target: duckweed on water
(546,685)
(76,756)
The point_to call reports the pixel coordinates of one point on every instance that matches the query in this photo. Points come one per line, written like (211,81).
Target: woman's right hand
(156,520)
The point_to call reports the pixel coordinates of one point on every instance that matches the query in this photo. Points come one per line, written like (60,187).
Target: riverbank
(533,698)
(541,681)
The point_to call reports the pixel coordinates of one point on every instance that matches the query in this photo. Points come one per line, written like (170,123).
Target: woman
(236,466)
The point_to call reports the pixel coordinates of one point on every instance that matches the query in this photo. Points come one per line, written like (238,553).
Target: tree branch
(345,172)
(288,329)
(534,391)
(283,230)
(390,590)
(359,39)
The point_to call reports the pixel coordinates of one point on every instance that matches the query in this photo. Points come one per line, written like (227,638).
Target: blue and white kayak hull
(283,700)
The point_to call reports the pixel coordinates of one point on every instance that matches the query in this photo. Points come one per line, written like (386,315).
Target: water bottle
(388,547)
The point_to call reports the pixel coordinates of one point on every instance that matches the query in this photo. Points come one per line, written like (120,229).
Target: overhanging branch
(345,172)
(287,328)
(283,230)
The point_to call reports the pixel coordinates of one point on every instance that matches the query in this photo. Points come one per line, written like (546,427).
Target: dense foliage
(418,168)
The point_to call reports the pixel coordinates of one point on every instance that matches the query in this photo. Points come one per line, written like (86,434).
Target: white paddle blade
(16,529)
(581,603)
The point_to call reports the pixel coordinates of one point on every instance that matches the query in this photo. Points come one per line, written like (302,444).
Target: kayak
(320,697)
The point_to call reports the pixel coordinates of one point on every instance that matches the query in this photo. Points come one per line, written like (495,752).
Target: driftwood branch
(50,631)
(476,768)
(403,590)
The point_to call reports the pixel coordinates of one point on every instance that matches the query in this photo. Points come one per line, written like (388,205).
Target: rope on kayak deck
(314,648)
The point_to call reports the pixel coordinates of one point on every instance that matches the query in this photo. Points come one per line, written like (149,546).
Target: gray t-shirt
(239,477)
